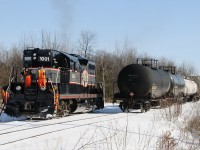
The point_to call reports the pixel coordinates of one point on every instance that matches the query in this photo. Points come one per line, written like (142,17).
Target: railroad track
(43,125)
(40,120)
(64,123)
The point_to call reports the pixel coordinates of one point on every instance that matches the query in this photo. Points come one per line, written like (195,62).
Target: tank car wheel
(147,106)
(120,105)
(102,104)
(124,109)
(99,103)
(124,106)
(142,108)
(195,99)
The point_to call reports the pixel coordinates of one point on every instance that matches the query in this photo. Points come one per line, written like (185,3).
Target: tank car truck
(52,83)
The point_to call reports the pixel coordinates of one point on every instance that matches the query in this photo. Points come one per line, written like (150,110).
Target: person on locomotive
(5,94)
(25,71)
(26,77)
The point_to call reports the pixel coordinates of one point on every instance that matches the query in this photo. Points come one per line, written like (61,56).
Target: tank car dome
(135,79)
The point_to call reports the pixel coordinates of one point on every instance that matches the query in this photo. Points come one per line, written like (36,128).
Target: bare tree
(16,54)
(187,69)
(4,55)
(27,40)
(163,61)
(108,65)
(58,40)
(104,68)
(124,54)
(9,58)
(86,43)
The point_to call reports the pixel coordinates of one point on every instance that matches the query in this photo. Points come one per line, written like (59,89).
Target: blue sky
(169,28)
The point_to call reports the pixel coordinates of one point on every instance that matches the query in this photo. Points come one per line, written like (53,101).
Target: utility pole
(103,84)
(103,77)
(85,52)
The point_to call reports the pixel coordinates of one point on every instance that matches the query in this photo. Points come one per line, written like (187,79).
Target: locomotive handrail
(59,68)
(11,74)
(9,84)
(54,93)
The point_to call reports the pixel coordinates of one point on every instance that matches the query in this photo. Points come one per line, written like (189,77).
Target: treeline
(8,59)
(108,64)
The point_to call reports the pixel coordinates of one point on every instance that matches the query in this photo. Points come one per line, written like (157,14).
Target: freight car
(192,87)
(52,82)
(144,84)
(196,79)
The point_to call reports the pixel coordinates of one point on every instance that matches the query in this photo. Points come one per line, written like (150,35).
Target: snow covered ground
(108,128)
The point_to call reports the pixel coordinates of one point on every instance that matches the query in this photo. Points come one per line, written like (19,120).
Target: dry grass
(110,138)
(193,125)
(166,142)
(172,112)
(189,127)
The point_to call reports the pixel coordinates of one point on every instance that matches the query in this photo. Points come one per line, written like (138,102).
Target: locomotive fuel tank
(140,81)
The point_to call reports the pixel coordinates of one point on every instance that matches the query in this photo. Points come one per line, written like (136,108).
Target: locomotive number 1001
(44,59)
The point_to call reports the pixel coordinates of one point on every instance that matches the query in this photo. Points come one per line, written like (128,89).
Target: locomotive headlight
(34,58)
(18,88)
(43,88)
(34,54)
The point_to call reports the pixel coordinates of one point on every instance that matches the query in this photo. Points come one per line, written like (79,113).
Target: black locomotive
(144,84)
(52,82)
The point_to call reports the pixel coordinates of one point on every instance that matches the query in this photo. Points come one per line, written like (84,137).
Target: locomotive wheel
(72,106)
(63,110)
(12,110)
